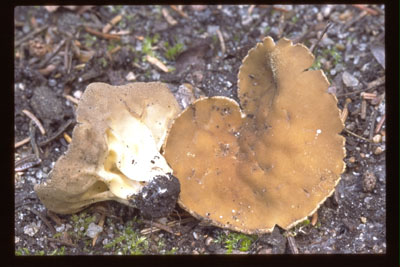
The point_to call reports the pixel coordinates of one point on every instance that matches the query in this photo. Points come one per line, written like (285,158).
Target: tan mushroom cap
(114,125)
(273,165)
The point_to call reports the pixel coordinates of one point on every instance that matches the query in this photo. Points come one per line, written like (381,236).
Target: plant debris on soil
(197,50)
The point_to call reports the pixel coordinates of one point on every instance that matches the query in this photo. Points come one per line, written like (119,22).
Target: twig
(371,85)
(30,35)
(380,123)
(157,63)
(48,57)
(112,23)
(372,125)
(173,223)
(26,162)
(102,35)
(101,224)
(221,41)
(314,218)
(62,242)
(67,63)
(363,114)
(345,112)
(250,10)
(365,8)
(171,21)
(54,217)
(162,227)
(183,14)
(72,99)
(292,245)
(356,135)
(43,218)
(35,120)
(67,138)
(351,22)
(320,38)
(32,136)
(59,132)
(22,142)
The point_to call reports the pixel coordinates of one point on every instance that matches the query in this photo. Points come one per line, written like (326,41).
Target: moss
(129,241)
(173,51)
(80,221)
(89,40)
(103,62)
(236,241)
(113,44)
(148,44)
(299,228)
(26,252)
(267,30)
(332,55)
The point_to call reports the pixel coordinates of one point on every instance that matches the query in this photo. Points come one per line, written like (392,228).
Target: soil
(351,53)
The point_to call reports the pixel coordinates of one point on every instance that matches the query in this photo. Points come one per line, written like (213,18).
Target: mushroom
(272,163)
(115,151)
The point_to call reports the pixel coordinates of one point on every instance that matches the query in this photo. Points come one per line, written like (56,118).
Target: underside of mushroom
(115,152)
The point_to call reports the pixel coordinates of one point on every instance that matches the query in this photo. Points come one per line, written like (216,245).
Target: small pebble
(369,181)
(208,241)
(60,228)
(377,138)
(349,80)
(130,76)
(340,47)
(352,159)
(93,230)
(31,229)
(379,150)
(52,82)
(77,94)
(195,235)
(265,251)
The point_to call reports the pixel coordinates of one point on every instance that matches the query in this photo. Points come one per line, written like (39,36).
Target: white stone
(31,229)
(349,80)
(93,230)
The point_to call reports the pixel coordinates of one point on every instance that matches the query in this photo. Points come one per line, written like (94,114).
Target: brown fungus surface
(273,163)
(115,146)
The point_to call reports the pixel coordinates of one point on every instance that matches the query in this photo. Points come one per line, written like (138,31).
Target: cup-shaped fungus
(115,152)
(272,163)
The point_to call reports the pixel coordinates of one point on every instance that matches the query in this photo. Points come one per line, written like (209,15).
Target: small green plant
(237,241)
(89,40)
(26,252)
(299,228)
(79,222)
(172,52)
(103,62)
(329,54)
(112,44)
(267,30)
(130,242)
(58,251)
(148,43)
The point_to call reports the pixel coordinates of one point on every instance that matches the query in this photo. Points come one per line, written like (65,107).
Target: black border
(391,258)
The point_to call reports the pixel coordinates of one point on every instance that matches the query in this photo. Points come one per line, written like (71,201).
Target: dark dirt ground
(63,58)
